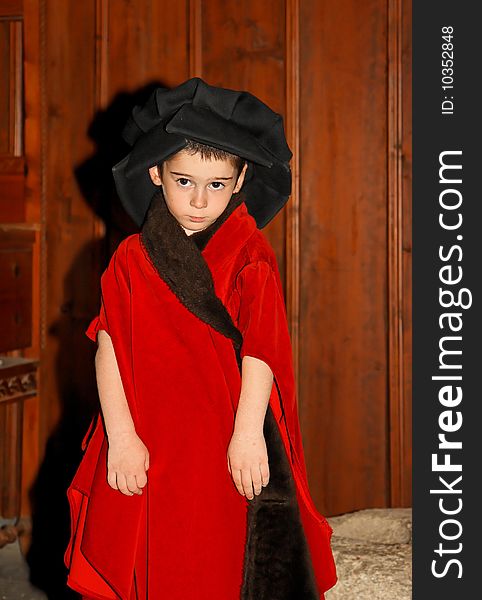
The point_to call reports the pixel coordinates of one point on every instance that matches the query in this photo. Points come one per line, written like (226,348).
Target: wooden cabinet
(19,267)
(18,381)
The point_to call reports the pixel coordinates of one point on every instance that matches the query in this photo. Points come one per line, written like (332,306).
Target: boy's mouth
(197,219)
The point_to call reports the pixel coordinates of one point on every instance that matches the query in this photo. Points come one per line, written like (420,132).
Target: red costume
(185,536)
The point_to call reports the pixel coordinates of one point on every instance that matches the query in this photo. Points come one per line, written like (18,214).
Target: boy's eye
(182,181)
(216,184)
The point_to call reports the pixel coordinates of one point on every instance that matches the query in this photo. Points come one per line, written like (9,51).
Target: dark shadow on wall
(74,365)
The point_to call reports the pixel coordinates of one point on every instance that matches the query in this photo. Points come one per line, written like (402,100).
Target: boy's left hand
(248,463)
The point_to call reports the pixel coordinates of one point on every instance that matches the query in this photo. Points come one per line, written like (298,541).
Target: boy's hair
(210,153)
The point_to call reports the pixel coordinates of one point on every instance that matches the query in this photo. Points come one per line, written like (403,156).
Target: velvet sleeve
(262,314)
(114,293)
(98,322)
(262,321)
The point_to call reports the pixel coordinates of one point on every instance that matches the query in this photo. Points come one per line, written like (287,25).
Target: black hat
(230,120)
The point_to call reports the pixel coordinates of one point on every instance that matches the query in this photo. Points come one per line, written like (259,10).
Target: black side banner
(447,309)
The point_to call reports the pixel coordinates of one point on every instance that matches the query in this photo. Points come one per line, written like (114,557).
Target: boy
(197,487)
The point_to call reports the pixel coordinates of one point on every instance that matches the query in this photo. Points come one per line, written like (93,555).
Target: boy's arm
(247,452)
(256,385)
(259,305)
(128,457)
(115,409)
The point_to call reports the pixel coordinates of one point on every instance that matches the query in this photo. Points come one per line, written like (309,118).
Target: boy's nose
(199,199)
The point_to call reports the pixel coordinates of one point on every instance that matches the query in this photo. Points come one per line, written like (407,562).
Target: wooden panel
(10,457)
(150,46)
(5,87)
(70,105)
(292,124)
(33,102)
(12,189)
(16,288)
(343,354)
(11,8)
(12,202)
(244,48)
(404,498)
(12,193)
(11,124)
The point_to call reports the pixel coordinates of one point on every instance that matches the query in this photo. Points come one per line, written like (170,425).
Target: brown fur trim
(181,265)
(277,562)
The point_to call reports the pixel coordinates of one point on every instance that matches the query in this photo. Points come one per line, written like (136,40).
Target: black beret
(234,121)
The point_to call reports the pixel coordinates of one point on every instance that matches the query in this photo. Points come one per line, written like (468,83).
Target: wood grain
(339,73)
(343,355)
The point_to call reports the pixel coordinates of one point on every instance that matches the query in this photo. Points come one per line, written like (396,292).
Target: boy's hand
(248,463)
(127,463)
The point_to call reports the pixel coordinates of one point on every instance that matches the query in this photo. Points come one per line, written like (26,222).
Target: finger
(122,484)
(141,480)
(112,480)
(236,475)
(264,470)
(229,465)
(256,479)
(247,483)
(146,463)
(132,484)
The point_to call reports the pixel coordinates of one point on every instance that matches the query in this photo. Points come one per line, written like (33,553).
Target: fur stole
(178,260)
(277,562)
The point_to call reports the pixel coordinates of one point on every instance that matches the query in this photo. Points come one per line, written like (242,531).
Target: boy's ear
(154,173)
(240,180)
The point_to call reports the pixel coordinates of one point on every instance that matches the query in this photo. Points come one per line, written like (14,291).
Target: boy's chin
(190,227)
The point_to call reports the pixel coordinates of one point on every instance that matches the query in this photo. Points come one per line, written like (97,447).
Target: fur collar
(277,562)
(177,258)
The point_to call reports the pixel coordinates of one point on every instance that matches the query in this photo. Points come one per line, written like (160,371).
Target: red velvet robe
(184,536)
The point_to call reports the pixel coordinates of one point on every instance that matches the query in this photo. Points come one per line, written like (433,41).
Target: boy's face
(197,190)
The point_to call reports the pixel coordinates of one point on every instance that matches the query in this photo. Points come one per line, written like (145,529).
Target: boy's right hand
(127,463)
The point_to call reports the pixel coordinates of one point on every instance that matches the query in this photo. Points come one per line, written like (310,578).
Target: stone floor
(372,550)
(373,555)
(14,573)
